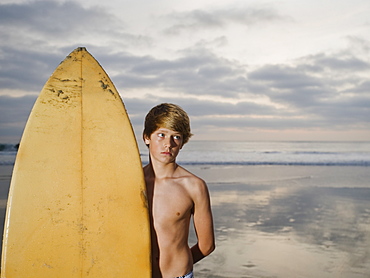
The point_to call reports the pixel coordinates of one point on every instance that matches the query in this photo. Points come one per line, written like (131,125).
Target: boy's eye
(177,137)
(161,135)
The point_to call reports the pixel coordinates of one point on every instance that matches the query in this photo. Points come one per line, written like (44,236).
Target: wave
(277,163)
(8,153)
(9,147)
(10,161)
(270,154)
(316,152)
(300,152)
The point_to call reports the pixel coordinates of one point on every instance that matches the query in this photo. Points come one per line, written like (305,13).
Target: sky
(243,70)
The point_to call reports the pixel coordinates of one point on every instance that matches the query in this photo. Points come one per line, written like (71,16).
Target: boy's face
(164,145)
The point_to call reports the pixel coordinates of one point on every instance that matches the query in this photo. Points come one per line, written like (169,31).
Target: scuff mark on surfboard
(106,87)
(47,265)
(65,80)
(91,266)
(103,85)
(82,227)
(62,95)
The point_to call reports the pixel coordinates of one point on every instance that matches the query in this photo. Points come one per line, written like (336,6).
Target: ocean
(273,153)
(280,209)
(254,153)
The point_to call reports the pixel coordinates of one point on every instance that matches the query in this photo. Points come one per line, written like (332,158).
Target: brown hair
(169,116)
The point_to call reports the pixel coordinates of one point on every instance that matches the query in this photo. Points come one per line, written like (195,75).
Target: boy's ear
(146,140)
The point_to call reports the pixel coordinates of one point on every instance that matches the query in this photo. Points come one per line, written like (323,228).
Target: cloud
(326,89)
(306,93)
(35,36)
(54,20)
(316,83)
(363,87)
(195,72)
(220,93)
(284,77)
(25,69)
(14,113)
(201,20)
(41,24)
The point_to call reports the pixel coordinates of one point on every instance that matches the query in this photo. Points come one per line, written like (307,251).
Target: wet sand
(288,221)
(281,221)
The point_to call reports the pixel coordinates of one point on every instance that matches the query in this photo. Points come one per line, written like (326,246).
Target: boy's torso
(171,207)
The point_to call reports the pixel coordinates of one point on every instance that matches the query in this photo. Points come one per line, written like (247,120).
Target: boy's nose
(169,142)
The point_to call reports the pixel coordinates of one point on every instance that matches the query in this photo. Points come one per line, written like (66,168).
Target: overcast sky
(243,70)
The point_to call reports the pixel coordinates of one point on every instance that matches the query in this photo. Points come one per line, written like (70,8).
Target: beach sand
(288,221)
(281,221)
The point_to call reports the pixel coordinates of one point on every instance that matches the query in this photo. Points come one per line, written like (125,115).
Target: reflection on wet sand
(289,228)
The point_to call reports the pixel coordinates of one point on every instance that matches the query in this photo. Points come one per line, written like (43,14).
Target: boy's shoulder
(190,180)
(186,174)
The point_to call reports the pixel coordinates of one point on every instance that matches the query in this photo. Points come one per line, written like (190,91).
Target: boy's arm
(203,223)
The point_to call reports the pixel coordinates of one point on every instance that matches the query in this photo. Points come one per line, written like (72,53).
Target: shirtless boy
(174,195)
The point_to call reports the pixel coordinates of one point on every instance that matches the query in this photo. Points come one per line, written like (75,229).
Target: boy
(174,194)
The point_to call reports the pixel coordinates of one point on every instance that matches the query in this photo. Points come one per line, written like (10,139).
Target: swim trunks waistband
(189,275)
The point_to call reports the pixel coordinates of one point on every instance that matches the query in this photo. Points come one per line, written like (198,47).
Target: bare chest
(170,204)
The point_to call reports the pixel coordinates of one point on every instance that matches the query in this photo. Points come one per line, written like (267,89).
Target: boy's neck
(162,171)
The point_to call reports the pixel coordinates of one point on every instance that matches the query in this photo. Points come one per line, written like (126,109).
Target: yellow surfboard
(77,204)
